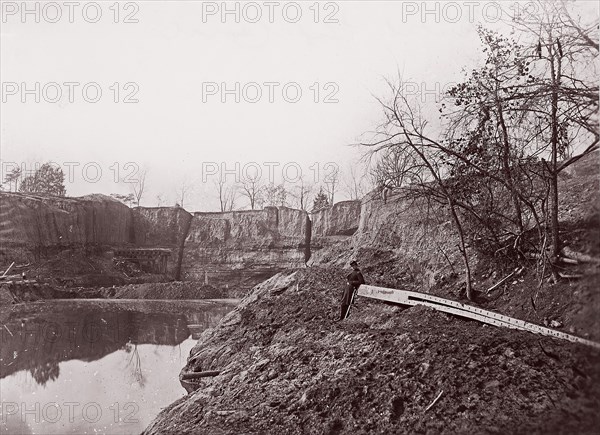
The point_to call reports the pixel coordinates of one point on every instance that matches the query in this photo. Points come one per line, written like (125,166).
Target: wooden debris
(434,401)
(503,280)
(225,412)
(6,327)
(6,271)
(572,276)
(578,256)
(568,260)
(196,375)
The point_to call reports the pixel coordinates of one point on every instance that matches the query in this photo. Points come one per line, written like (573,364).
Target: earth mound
(287,366)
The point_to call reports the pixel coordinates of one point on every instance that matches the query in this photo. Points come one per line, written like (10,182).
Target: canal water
(95,366)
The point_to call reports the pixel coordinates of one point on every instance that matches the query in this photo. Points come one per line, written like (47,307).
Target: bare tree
(183,191)
(405,131)
(227,194)
(251,188)
(275,194)
(355,182)
(137,184)
(160,200)
(565,52)
(301,192)
(332,180)
(230,198)
(13,177)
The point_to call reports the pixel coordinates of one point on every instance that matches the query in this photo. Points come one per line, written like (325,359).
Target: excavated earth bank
(287,366)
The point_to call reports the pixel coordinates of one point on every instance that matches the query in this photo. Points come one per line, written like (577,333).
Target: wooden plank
(405,297)
(6,271)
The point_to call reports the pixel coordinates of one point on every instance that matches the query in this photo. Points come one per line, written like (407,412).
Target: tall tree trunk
(554,226)
(506,167)
(462,248)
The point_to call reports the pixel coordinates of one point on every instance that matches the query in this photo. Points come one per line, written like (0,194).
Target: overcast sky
(173,59)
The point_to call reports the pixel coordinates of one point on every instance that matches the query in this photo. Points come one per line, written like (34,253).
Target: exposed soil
(166,290)
(287,366)
(84,267)
(19,292)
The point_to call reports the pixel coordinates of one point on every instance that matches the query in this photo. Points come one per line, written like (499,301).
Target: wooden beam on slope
(405,297)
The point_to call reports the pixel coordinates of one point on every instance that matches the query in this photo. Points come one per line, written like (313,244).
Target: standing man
(354,281)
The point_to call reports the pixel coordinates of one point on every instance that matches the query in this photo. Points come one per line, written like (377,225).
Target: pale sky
(178,55)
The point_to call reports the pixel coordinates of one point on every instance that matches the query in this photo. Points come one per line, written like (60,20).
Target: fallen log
(572,276)
(568,260)
(578,256)
(12,277)
(196,375)
(21,266)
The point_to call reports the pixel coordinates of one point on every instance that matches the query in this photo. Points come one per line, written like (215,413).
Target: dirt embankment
(287,366)
(237,250)
(25,291)
(166,290)
(34,226)
(90,241)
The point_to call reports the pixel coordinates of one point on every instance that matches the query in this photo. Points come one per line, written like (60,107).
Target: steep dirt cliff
(409,241)
(340,220)
(71,238)
(162,227)
(416,241)
(33,226)
(238,249)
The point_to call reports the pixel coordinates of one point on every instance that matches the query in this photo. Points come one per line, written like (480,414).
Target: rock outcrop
(418,235)
(332,231)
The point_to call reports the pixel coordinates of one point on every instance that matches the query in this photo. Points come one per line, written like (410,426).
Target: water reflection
(89,366)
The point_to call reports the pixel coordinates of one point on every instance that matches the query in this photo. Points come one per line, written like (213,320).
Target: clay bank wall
(241,248)
(238,248)
(230,249)
(162,227)
(32,226)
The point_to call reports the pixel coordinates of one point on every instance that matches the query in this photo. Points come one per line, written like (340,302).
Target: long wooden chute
(405,297)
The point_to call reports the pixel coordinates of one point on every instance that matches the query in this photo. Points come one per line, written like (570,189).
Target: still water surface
(95,366)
